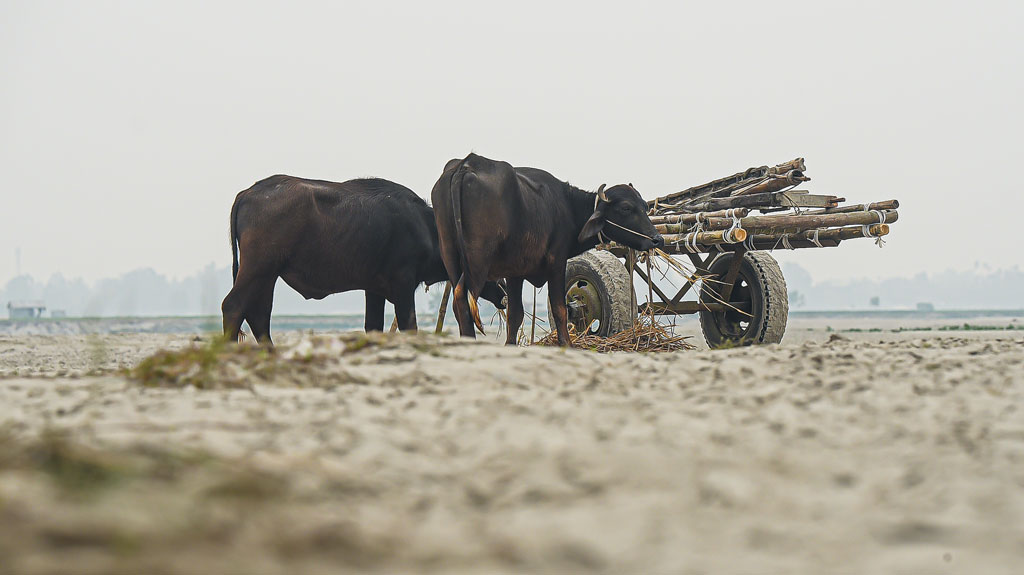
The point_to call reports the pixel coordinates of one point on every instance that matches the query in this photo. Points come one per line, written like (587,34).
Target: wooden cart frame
(742,295)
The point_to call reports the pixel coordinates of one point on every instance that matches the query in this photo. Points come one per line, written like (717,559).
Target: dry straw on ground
(647,335)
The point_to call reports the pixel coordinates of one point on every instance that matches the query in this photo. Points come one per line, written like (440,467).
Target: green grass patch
(196,365)
(77,471)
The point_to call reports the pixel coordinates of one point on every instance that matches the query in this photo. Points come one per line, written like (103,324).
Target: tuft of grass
(81,472)
(77,470)
(731,344)
(358,342)
(191,366)
(219,363)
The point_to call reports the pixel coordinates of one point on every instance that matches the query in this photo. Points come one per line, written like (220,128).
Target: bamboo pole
(886,205)
(827,238)
(443,310)
(829,234)
(533,316)
(750,244)
(783,224)
(783,181)
(730,236)
(727,185)
(721,186)
(692,218)
(780,223)
(708,224)
(773,243)
(844,233)
(771,199)
(795,164)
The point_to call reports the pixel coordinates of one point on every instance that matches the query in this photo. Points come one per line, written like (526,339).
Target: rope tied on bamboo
(686,241)
(815,239)
(865,230)
(785,242)
(691,238)
(691,244)
(730,235)
(699,218)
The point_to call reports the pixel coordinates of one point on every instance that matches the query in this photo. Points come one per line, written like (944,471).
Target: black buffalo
(496,221)
(325,237)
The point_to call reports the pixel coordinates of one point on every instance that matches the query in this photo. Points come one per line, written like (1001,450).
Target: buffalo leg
(374,317)
(515,309)
(236,305)
(460,284)
(405,311)
(258,313)
(556,299)
(460,304)
(234,313)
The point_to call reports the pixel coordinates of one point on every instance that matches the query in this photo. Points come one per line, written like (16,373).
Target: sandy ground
(835,452)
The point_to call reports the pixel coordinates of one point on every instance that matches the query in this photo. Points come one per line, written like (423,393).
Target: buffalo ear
(593,226)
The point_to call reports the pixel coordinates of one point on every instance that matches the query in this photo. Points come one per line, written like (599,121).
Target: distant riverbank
(840,320)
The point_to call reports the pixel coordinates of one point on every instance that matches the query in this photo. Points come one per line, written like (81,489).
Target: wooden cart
(726,229)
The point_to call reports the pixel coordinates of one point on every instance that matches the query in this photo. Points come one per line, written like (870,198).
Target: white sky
(127,128)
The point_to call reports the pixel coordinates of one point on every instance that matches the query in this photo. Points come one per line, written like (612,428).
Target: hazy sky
(126,129)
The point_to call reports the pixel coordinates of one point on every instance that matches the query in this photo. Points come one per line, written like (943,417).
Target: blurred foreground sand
(852,452)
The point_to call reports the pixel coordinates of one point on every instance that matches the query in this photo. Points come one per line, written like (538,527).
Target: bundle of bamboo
(707,217)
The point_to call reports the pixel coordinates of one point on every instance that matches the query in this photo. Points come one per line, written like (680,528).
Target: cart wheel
(759,299)
(597,294)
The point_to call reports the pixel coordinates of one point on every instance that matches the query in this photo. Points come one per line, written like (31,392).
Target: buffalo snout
(495,293)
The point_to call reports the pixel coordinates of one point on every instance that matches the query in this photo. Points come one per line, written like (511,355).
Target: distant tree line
(144,292)
(974,289)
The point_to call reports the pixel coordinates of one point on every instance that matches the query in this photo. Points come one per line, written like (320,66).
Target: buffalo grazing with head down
(325,237)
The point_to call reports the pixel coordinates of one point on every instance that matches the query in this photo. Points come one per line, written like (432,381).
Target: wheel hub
(735,322)
(584,304)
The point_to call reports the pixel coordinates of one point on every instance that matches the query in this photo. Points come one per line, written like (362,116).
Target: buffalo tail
(234,240)
(460,239)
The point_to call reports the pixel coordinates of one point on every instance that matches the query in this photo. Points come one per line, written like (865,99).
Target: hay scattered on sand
(217,364)
(646,335)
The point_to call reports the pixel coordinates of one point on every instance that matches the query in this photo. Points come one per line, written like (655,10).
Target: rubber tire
(769,302)
(611,281)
